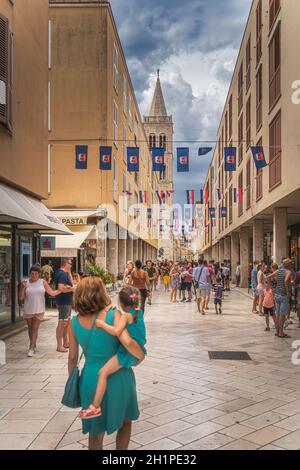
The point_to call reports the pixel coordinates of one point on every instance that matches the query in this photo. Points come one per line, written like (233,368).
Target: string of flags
(158,158)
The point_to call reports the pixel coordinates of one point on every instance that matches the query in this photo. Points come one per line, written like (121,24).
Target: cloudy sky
(195,45)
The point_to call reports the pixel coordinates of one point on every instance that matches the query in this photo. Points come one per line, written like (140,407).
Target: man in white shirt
(203,282)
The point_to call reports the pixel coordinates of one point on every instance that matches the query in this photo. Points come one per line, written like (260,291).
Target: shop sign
(48,243)
(74,221)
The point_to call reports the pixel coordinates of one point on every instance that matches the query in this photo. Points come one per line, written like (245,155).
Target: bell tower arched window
(152,141)
(163,141)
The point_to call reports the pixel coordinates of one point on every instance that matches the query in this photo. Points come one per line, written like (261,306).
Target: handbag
(71,397)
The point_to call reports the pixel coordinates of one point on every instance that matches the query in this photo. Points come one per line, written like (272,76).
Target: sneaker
(188,300)
(268,329)
(183,300)
(30,353)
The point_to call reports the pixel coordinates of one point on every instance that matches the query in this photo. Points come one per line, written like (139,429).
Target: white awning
(27,212)
(78,238)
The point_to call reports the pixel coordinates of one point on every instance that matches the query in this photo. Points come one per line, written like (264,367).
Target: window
(274,68)
(115,124)
(230,205)
(259,180)
(124,95)
(49,44)
(136,131)
(49,106)
(241,194)
(115,179)
(230,117)
(248,64)
(163,141)
(248,185)
(6,51)
(274,6)
(248,122)
(259,27)
(241,88)
(152,141)
(241,138)
(124,144)
(130,111)
(116,69)
(275,151)
(259,99)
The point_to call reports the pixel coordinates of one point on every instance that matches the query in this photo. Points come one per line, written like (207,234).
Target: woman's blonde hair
(91,296)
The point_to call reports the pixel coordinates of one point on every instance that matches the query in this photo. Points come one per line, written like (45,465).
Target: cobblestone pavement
(187,401)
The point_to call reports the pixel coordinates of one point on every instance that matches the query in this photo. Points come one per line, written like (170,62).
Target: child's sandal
(91,412)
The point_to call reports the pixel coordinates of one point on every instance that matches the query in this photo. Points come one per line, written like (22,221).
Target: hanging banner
(143,197)
(190,197)
(133,159)
(161,196)
(206,200)
(223,212)
(105,158)
(230,158)
(259,157)
(149,217)
(188,214)
(158,159)
(81,157)
(212,212)
(201,196)
(183,160)
(204,151)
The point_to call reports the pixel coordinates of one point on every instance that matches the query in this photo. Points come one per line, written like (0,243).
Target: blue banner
(182,160)
(158,159)
(105,158)
(259,157)
(212,212)
(204,151)
(133,159)
(223,212)
(230,158)
(81,157)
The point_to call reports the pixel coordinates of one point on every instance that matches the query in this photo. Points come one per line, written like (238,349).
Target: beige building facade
(262,108)
(23,147)
(92,103)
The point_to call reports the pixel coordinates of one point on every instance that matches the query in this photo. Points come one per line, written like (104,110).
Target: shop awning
(74,242)
(66,246)
(27,212)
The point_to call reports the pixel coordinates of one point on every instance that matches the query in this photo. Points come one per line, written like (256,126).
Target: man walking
(282,295)
(64,302)
(203,283)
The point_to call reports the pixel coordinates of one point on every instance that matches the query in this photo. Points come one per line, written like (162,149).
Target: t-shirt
(268,299)
(254,278)
(151,273)
(202,279)
(219,292)
(61,277)
(188,276)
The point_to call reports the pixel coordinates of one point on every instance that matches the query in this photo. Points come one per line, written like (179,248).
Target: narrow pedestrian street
(187,401)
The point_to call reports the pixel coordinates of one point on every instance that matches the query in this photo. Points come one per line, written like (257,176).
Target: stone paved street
(187,401)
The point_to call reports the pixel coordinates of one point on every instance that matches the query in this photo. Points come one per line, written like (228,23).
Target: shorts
(202,291)
(39,316)
(218,302)
(152,285)
(259,292)
(186,286)
(282,304)
(268,311)
(64,312)
(166,280)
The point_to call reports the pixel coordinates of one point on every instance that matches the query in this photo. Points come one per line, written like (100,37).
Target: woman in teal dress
(119,406)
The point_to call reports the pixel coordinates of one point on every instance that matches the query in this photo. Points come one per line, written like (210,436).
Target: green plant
(96,270)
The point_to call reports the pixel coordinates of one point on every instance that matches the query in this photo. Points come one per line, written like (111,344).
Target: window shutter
(4,69)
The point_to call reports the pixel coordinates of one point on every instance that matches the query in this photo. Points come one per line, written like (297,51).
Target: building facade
(262,109)
(23,146)
(159,130)
(92,103)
